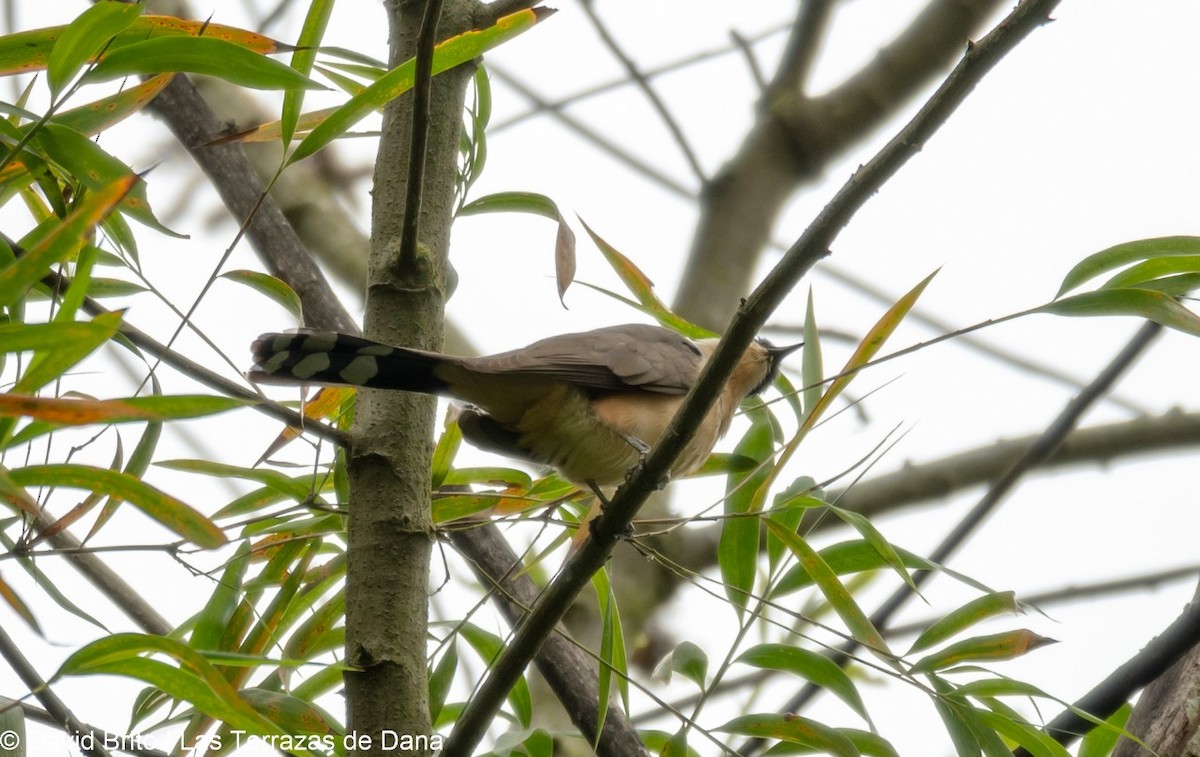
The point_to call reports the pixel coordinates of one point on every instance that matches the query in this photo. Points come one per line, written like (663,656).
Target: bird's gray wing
(634,355)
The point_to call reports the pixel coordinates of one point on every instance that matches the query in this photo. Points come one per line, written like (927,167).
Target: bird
(589,404)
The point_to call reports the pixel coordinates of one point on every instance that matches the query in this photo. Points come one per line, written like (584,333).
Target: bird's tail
(326,357)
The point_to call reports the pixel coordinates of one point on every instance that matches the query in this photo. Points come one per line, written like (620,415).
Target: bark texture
(390,528)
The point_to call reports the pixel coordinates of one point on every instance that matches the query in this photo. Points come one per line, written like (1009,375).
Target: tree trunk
(390,533)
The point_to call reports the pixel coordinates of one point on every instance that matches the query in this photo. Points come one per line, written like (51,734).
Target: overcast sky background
(1082,138)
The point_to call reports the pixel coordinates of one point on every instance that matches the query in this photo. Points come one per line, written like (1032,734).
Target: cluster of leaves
(277,604)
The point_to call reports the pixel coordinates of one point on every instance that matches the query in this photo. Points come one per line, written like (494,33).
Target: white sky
(1083,138)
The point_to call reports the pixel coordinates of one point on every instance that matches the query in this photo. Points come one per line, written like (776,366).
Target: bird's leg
(643,449)
(599,494)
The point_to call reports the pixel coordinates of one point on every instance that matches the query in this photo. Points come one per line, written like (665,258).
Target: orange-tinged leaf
(95,117)
(62,241)
(999,646)
(30,50)
(447,54)
(835,592)
(325,404)
(15,495)
(75,412)
(162,507)
(273,131)
(981,608)
(14,601)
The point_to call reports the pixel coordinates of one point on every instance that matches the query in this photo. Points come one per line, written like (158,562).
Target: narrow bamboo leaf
(604,598)
(810,666)
(440,679)
(52,360)
(1124,254)
(95,117)
(541,205)
(15,495)
(62,241)
(17,605)
(642,288)
(987,606)
(1100,741)
(162,507)
(298,487)
(84,37)
(206,55)
(227,594)
(1174,286)
(870,744)
(812,369)
(76,412)
(1021,732)
(444,452)
(196,681)
(30,50)
(1151,270)
(961,734)
(271,132)
(447,55)
(845,558)
(793,729)
(1155,306)
(488,646)
(868,348)
(1000,687)
(839,598)
(1000,646)
(737,550)
(44,582)
(688,660)
(274,288)
(290,714)
(872,536)
(303,58)
(455,506)
(96,168)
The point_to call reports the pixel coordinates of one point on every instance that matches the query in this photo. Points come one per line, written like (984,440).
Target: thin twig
(62,716)
(643,83)
(1107,697)
(419,138)
(1037,454)
(812,245)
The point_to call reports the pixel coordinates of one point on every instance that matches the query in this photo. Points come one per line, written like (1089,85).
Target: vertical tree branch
(390,529)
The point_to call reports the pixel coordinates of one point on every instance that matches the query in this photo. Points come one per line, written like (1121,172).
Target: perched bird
(589,404)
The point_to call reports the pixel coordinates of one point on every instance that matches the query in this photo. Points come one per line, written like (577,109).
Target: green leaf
(688,660)
(1124,254)
(794,729)
(84,37)
(835,592)
(812,369)
(440,679)
(274,288)
(489,646)
(1151,270)
(162,507)
(303,58)
(1014,727)
(87,161)
(737,550)
(872,536)
(537,204)
(1155,306)
(196,681)
(1000,646)
(291,714)
(98,115)
(199,55)
(77,412)
(1100,741)
(810,666)
(227,594)
(987,606)
(447,55)
(62,241)
(56,346)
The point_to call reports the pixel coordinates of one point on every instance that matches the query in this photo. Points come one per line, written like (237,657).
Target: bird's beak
(779,353)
